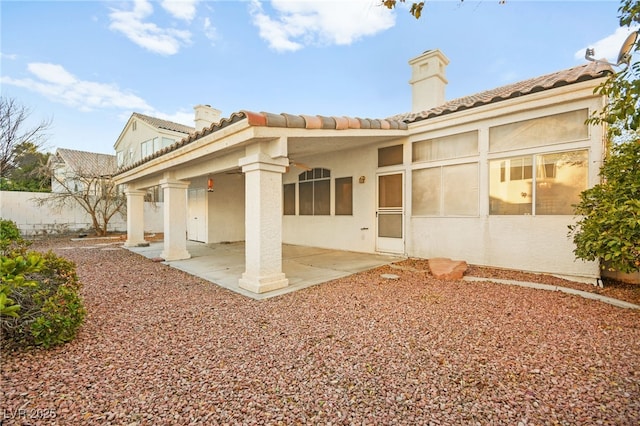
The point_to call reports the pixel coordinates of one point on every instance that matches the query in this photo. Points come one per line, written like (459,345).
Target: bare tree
(90,186)
(14,132)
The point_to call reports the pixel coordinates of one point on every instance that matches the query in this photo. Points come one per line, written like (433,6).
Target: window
(289,203)
(390,156)
(552,187)
(154,145)
(146,149)
(344,196)
(155,194)
(120,158)
(445,191)
(166,142)
(315,192)
(454,146)
(565,127)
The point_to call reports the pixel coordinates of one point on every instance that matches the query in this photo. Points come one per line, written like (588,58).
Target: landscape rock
(447,269)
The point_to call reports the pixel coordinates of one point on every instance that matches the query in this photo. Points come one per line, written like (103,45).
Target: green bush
(9,234)
(40,303)
(609,229)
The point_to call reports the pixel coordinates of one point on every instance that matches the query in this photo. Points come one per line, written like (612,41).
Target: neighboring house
(144,136)
(489,178)
(72,169)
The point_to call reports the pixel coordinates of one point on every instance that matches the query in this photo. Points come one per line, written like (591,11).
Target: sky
(88,65)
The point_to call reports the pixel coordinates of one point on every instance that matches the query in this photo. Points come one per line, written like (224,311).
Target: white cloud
(181,9)
(131,23)
(59,85)
(182,117)
(296,24)
(209,30)
(608,47)
(10,56)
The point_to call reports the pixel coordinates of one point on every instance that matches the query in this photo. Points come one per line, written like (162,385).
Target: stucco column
(263,223)
(175,219)
(135,218)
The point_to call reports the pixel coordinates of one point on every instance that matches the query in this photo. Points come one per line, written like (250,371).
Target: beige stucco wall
(44,220)
(531,243)
(226,208)
(130,140)
(338,232)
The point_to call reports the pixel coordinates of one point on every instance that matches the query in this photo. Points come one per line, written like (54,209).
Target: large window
(559,128)
(344,196)
(445,191)
(543,184)
(315,192)
(453,146)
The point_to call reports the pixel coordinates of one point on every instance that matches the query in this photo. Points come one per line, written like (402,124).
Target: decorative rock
(447,269)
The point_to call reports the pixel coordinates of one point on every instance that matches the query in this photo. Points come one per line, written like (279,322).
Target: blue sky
(87,65)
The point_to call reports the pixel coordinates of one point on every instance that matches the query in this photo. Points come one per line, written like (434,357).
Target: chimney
(428,80)
(205,116)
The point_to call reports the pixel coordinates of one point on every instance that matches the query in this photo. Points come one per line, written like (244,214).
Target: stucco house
(144,135)
(488,178)
(72,169)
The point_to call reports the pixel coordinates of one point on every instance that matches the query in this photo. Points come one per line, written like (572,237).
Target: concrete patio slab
(223,264)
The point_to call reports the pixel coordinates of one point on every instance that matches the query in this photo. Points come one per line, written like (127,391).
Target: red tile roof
(267,119)
(164,124)
(87,164)
(590,71)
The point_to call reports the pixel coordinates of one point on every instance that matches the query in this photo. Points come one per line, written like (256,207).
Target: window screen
(344,196)
(390,156)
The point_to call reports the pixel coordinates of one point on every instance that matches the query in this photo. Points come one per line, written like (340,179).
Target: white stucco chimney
(428,80)
(205,116)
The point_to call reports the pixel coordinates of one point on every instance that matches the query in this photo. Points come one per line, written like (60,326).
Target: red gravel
(161,347)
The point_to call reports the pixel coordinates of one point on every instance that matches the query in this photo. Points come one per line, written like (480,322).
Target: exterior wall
(226,208)
(351,233)
(33,220)
(537,243)
(131,140)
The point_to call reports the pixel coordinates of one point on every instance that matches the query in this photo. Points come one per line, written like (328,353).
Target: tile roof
(87,163)
(164,124)
(267,119)
(589,71)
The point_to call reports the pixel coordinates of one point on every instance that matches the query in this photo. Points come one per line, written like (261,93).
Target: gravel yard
(160,347)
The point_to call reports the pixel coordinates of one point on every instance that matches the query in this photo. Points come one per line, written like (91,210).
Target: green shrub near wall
(40,303)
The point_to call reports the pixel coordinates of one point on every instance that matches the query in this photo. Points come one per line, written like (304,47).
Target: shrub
(39,297)
(9,234)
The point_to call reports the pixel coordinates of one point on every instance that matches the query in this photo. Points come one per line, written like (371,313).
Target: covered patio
(224,263)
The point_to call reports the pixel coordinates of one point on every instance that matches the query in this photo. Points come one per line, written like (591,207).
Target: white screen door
(390,213)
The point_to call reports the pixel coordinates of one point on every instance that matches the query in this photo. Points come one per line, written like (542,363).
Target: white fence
(34,220)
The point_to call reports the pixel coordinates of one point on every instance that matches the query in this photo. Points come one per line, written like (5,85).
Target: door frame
(390,244)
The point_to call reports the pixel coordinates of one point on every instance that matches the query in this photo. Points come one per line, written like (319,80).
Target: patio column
(263,223)
(175,219)
(135,218)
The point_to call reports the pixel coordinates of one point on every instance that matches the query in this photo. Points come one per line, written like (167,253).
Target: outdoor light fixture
(209,185)
(362,179)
